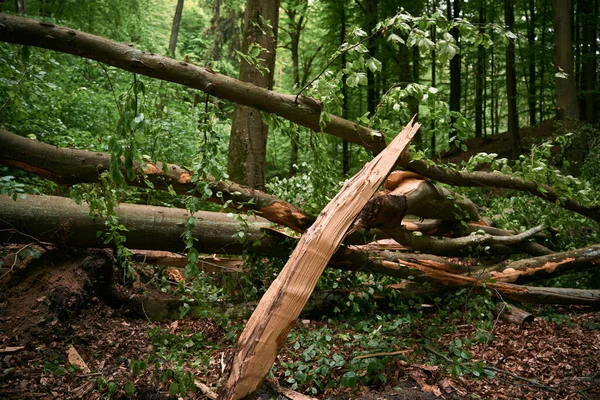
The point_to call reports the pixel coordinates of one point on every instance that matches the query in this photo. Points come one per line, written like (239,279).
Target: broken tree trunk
(525,294)
(62,221)
(304,111)
(497,179)
(71,166)
(549,266)
(426,200)
(267,329)
(514,315)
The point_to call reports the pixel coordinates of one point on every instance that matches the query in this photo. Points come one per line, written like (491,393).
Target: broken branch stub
(267,329)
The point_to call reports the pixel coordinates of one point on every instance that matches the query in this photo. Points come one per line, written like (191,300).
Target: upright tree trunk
(406,76)
(414,104)
(371,11)
(21,6)
(566,99)
(589,19)
(295,29)
(479,75)
(433,83)
(455,64)
(248,141)
(511,80)
(543,66)
(531,47)
(345,143)
(175,27)
(493,90)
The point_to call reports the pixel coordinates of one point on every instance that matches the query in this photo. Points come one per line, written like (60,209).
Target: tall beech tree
(511,79)
(589,62)
(479,75)
(566,98)
(455,63)
(248,141)
(175,27)
(531,48)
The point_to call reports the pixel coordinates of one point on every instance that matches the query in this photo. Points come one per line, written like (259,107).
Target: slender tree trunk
(248,141)
(21,6)
(414,104)
(531,48)
(543,66)
(433,83)
(511,80)
(175,27)
(371,10)
(588,58)
(493,90)
(295,29)
(566,99)
(455,65)
(479,75)
(345,143)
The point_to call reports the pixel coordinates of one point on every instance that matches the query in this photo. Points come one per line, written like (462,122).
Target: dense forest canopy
(252,141)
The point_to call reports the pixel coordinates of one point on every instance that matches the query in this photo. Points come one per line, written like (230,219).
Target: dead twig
(392,353)
(532,382)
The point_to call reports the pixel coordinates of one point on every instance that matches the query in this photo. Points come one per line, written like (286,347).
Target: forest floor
(39,323)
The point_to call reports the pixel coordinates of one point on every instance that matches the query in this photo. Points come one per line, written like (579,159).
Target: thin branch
(498,370)
(498,179)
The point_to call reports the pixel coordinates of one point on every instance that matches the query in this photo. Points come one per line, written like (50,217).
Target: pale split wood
(206,391)
(76,360)
(267,329)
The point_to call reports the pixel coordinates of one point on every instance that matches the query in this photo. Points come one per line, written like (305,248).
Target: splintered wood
(268,327)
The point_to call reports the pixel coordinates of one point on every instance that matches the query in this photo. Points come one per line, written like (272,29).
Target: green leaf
(173,389)
(129,389)
(352,80)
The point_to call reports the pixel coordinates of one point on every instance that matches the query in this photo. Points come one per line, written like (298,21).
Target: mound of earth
(501,144)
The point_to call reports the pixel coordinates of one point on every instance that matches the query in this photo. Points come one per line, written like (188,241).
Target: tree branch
(301,110)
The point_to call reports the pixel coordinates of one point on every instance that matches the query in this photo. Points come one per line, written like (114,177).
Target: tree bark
(345,144)
(267,328)
(21,6)
(248,140)
(455,64)
(433,84)
(371,11)
(175,27)
(62,221)
(512,314)
(304,111)
(479,75)
(566,99)
(549,266)
(500,180)
(295,29)
(589,61)
(543,66)
(531,61)
(511,80)
(71,166)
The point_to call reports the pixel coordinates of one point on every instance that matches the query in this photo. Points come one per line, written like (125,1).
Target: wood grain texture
(267,329)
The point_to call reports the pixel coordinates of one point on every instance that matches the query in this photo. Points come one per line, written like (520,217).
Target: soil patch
(52,303)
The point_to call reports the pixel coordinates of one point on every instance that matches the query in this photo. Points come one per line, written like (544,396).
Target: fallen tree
(268,327)
(69,166)
(302,110)
(58,220)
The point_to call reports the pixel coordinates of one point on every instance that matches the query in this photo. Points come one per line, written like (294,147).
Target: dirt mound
(501,144)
